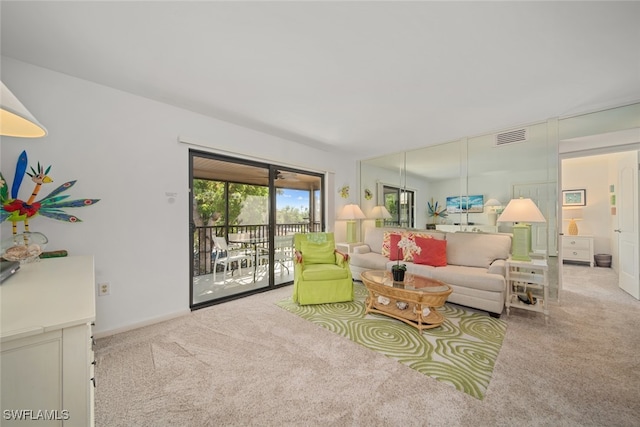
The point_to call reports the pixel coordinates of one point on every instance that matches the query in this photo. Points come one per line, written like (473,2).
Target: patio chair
(321,274)
(283,252)
(225,255)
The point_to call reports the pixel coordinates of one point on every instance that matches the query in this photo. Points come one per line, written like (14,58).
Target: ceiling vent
(511,137)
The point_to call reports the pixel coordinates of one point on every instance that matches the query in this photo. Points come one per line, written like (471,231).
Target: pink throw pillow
(409,253)
(395,253)
(433,252)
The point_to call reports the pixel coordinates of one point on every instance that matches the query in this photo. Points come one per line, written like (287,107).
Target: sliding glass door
(243,217)
(400,203)
(298,209)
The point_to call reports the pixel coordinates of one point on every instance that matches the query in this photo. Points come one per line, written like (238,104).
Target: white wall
(124,150)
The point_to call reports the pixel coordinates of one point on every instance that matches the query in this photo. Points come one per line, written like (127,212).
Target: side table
(347,248)
(528,279)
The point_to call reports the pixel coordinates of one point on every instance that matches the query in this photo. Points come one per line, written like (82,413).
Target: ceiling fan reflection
(289,176)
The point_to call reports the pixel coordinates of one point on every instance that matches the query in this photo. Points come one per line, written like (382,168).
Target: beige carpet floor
(248,362)
(461,352)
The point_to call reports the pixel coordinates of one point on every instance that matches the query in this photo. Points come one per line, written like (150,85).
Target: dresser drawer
(577,254)
(575,244)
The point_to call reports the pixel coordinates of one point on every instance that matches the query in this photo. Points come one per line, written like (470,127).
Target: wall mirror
(450,183)
(499,166)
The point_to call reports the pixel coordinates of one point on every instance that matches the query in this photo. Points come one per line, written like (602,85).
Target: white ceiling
(365,77)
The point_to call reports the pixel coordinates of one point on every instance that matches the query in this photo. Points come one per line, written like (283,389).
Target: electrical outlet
(104,289)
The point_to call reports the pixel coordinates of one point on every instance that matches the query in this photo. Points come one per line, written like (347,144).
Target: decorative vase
(398,275)
(25,247)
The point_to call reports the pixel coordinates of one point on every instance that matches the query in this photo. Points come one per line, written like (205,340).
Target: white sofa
(475,267)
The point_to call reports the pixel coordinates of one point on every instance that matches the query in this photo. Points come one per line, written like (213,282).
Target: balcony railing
(203,239)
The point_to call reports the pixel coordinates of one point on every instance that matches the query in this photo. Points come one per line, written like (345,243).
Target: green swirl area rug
(462,352)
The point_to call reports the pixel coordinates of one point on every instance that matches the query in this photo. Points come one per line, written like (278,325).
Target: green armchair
(321,274)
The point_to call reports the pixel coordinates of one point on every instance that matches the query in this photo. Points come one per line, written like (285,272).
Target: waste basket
(603,260)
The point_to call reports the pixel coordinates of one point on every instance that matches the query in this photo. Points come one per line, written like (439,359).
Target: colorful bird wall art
(51,206)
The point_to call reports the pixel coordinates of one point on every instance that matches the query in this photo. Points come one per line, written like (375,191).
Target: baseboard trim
(148,322)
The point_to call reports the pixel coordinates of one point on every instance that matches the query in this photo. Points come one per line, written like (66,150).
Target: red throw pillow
(432,252)
(395,253)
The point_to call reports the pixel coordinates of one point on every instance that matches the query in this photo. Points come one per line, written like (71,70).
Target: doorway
(243,217)
(609,218)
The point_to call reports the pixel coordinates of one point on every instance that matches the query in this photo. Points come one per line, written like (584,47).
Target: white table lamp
(493,205)
(15,119)
(379,213)
(522,212)
(351,213)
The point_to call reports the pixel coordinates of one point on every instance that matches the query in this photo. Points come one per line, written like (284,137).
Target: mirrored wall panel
(464,185)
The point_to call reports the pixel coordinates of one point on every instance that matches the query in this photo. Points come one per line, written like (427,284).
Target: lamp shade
(379,213)
(493,203)
(15,119)
(574,213)
(351,212)
(521,210)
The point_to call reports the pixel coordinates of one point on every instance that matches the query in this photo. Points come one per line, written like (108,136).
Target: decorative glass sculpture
(25,247)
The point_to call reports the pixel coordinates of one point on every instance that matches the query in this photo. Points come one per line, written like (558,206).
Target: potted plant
(405,245)
(398,271)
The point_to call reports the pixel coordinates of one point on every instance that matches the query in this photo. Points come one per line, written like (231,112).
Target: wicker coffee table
(413,301)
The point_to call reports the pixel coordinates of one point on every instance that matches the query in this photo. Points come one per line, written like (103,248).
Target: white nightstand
(347,248)
(528,278)
(577,248)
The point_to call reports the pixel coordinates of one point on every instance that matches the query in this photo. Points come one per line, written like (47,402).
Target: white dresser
(47,312)
(577,248)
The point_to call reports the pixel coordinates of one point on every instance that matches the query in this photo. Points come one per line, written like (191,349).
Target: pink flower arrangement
(406,245)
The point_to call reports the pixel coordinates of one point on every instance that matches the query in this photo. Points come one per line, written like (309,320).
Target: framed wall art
(465,204)
(574,197)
